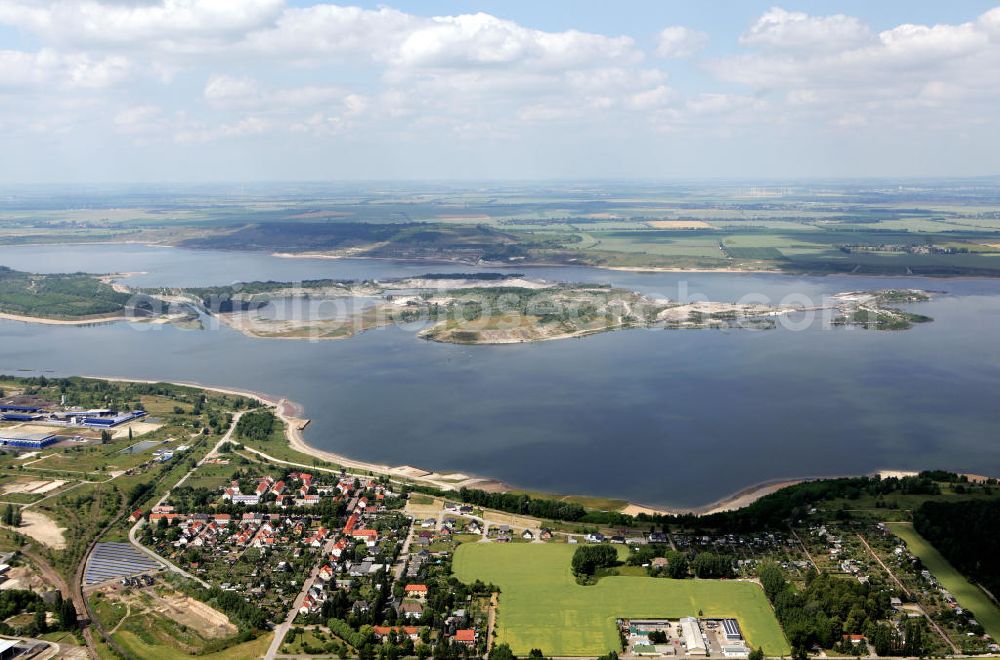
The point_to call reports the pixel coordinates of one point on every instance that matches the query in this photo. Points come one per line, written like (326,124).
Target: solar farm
(110,561)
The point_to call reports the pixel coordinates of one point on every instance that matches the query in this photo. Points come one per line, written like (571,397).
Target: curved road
(138,525)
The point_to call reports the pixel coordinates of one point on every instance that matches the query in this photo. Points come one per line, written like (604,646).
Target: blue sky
(241,90)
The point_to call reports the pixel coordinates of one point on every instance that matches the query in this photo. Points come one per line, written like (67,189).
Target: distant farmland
(542,606)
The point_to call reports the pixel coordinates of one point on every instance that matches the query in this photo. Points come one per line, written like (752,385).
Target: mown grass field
(542,606)
(968,595)
(140,648)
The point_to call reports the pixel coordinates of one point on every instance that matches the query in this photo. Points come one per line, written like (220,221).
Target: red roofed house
(418,591)
(370,536)
(467,636)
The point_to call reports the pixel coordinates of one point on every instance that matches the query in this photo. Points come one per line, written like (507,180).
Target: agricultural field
(967,594)
(921,228)
(542,606)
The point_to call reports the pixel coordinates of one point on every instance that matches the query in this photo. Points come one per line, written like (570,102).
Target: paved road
(403,554)
(142,521)
(282,628)
(907,592)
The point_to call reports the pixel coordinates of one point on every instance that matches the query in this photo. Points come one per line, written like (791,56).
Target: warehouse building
(26,440)
(693,639)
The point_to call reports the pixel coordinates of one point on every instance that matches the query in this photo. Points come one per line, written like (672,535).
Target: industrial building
(11,438)
(102,418)
(693,639)
(732,629)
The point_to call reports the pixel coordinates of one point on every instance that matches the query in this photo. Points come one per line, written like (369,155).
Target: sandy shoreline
(41,320)
(291,413)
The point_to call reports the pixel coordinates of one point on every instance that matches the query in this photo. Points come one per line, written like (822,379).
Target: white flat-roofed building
(692,637)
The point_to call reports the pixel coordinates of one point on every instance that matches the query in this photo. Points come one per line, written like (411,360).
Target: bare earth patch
(43,529)
(138,428)
(209,622)
(32,487)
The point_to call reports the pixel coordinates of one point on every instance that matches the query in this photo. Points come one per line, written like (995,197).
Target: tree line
(523,504)
(828,608)
(967,534)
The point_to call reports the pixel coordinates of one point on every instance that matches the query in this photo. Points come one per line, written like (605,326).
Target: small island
(874,310)
(457,308)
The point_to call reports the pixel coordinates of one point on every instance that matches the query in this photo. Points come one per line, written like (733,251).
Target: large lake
(655,416)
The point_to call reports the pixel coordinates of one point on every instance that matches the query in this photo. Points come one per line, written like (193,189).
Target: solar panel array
(116,560)
(731,627)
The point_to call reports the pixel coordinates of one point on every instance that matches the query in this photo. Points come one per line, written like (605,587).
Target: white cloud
(243,127)
(223,89)
(199,71)
(834,65)
(48,69)
(679,41)
(787,30)
(482,39)
(171,24)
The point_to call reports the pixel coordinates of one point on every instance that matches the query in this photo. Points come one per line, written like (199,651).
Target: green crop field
(967,594)
(542,606)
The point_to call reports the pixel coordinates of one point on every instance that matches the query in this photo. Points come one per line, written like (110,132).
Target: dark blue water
(655,416)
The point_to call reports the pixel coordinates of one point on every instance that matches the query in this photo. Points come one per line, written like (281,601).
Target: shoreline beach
(41,320)
(291,414)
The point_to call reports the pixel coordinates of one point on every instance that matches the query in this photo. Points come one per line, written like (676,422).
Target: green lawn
(139,648)
(542,606)
(968,595)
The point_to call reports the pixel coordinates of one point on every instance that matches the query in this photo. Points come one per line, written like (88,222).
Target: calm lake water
(655,416)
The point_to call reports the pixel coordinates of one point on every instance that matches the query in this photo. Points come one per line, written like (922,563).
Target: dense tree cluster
(825,610)
(523,504)
(588,558)
(711,565)
(21,601)
(247,616)
(11,516)
(64,296)
(256,424)
(967,534)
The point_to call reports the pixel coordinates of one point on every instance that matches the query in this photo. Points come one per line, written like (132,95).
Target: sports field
(968,595)
(542,606)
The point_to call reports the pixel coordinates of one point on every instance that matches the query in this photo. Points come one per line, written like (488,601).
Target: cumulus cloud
(48,69)
(170,24)
(680,41)
(793,30)
(895,77)
(197,71)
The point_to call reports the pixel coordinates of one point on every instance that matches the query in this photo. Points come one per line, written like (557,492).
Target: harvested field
(679,224)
